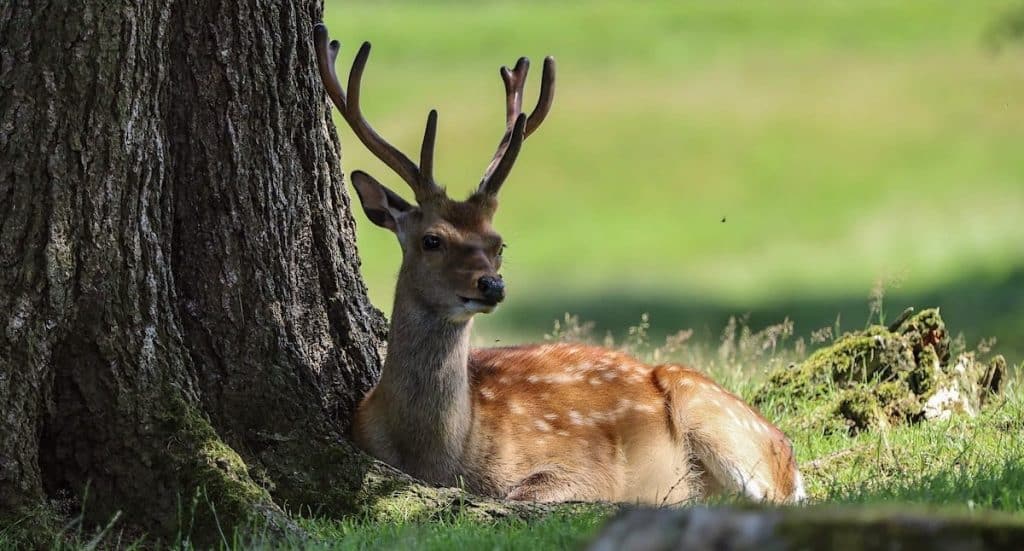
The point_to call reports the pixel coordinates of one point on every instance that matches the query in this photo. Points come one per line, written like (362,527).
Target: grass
(841,143)
(971,466)
(559,531)
(973,463)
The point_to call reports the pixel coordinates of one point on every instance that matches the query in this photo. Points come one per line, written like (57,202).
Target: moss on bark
(214,483)
(333,478)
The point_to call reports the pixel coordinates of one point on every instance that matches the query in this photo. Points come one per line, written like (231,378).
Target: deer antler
(421,178)
(517,125)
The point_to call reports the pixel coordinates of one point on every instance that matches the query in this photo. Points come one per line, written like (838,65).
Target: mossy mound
(883,376)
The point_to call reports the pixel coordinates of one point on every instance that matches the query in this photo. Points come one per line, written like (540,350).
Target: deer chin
(473,306)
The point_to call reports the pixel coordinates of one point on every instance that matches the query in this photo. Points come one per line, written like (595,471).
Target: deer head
(451,256)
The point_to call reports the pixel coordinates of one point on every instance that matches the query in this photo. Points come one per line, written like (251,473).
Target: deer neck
(425,386)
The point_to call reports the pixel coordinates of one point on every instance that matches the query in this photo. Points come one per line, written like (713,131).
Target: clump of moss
(215,480)
(883,376)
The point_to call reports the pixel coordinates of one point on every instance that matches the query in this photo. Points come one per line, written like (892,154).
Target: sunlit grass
(558,531)
(970,466)
(840,144)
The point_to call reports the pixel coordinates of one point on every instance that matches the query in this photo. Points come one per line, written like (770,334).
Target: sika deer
(546,422)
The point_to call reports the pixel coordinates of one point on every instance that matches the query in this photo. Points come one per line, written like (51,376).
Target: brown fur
(570,422)
(616,429)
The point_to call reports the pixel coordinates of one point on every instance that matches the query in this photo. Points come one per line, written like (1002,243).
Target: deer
(547,422)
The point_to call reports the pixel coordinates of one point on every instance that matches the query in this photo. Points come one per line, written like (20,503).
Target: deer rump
(571,422)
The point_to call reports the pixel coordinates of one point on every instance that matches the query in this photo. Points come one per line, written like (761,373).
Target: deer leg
(542,486)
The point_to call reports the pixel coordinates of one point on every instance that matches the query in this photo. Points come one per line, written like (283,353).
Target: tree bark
(183,329)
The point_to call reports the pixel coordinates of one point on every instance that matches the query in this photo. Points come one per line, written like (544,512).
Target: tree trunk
(183,328)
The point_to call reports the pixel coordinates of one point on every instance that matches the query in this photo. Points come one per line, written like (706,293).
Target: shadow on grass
(979,307)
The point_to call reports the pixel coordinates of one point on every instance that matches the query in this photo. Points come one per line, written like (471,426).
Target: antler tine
(326,54)
(427,149)
(422,184)
(547,97)
(515,81)
(503,163)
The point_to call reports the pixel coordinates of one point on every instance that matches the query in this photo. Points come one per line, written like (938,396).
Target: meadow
(709,159)
(827,165)
(967,467)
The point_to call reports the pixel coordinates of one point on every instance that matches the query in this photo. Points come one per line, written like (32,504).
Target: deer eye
(501,249)
(431,242)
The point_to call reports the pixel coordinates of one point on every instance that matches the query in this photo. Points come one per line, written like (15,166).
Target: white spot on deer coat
(575,418)
(645,408)
(581,367)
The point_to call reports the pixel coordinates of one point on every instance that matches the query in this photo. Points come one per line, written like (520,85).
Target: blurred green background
(705,159)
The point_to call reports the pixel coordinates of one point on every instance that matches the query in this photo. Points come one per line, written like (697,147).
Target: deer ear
(381,205)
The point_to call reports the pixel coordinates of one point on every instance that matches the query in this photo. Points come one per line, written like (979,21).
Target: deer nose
(493,288)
